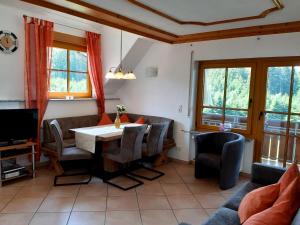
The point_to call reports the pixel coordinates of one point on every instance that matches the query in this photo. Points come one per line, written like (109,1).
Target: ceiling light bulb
(130,76)
(119,75)
(110,75)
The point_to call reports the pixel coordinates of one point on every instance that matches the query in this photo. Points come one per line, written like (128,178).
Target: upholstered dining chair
(152,148)
(219,152)
(69,154)
(130,151)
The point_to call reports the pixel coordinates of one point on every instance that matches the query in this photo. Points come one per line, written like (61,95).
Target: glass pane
(296,91)
(78,82)
(58,81)
(59,59)
(278,89)
(214,80)
(238,87)
(78,61)
(212,117)
(275,123)
(237,119)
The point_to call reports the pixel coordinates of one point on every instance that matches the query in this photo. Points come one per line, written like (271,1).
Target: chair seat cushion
(67,144)
(114,154)
(210,160)
(74,153)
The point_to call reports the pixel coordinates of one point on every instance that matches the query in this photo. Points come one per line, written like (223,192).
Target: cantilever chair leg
(126,188)
(159,174)
(72,183)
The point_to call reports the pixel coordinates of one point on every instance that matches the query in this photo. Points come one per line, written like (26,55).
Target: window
(68,72)
(225,95)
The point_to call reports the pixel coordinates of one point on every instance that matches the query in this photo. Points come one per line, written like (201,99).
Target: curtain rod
(62,24)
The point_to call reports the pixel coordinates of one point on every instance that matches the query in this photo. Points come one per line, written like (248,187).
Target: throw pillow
(288,177)
(258,200)
(283,210)
(105,120)
(140,120)
(124,118)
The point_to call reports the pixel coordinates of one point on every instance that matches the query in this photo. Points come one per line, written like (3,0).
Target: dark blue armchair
(219,153)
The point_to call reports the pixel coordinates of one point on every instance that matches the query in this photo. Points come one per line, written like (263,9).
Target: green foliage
(238,89)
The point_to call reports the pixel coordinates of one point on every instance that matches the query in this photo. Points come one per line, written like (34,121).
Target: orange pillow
(140,120)
(288,177)
(283,210)
(105,120)
(124,118)
(258,200)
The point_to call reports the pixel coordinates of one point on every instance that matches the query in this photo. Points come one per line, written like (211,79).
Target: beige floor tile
(153,202)
(93,190)
(59,204)
(210,212)
(64,191)
(183,202)
(50,219)
(90,204)
(178,189)
(191,216)
(31,191)
(158,217)
(170,178)
(113,191)
(151,188)
(123,217)
(203,188)
(4,201)
(23,205)
(15,218)
(87,218)
(209,201)
(8,191)
(122,203)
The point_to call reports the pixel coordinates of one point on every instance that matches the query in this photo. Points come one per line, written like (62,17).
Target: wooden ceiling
(97,14)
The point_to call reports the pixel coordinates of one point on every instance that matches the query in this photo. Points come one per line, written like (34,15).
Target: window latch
(261,114)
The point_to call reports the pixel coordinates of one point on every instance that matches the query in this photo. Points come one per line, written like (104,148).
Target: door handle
(261,114)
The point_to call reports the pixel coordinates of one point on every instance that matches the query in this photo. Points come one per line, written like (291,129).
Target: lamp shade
(110,75)
(130,76)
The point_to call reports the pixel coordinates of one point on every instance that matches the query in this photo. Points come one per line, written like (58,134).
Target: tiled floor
(174,198)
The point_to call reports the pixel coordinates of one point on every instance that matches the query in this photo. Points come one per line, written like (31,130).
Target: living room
(174,74)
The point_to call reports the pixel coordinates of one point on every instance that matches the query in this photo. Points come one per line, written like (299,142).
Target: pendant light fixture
(121,72)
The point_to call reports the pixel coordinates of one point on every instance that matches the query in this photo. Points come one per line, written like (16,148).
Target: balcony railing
(274,137)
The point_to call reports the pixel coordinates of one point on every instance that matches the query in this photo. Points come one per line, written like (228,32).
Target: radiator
(247,158)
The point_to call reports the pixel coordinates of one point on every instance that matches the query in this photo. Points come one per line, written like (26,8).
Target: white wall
(12,66)
(163,95)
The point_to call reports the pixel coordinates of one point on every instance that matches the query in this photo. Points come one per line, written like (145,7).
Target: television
(17,125)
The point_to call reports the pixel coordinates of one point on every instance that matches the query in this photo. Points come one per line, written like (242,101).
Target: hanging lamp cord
(121,67)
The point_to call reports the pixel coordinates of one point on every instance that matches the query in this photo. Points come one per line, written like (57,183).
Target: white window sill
(81,99)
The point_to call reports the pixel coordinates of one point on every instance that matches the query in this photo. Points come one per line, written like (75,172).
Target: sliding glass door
(280,117)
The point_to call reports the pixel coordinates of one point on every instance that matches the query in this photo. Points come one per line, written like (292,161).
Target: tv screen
(18,124)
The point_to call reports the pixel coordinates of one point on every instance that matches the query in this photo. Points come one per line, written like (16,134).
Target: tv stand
(15,151)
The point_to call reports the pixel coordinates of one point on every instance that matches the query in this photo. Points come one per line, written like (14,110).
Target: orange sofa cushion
(105,120)
(288,177)
(283,210)
(124,118)
(258,200)
(140,120)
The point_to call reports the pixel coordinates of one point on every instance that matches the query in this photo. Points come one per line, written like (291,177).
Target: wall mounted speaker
(151,71)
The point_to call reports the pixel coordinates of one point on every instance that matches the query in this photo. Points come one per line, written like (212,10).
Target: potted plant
(120,109)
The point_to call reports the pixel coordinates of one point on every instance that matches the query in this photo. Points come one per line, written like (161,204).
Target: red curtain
(95,67)
(38,49)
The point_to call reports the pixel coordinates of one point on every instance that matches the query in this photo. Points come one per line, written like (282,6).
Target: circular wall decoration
(8,42)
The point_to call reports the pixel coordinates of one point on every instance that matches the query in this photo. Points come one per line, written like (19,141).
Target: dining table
(94,139)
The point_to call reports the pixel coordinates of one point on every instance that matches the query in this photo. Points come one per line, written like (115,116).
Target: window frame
(200,93)
(62,95)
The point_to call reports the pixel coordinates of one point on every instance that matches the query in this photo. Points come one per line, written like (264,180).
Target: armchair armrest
(201,141)
(266,174)
(231,162)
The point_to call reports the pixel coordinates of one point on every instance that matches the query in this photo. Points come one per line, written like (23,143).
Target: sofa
(262,175)
(67,123)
